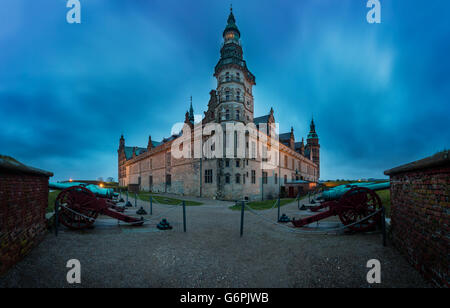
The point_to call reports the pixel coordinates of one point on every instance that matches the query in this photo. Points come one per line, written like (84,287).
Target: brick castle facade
(231,177)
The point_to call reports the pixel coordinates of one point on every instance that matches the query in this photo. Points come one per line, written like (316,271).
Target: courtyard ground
(210,254)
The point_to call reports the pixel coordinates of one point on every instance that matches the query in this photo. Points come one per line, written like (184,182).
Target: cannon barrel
(338,191)
(96,190)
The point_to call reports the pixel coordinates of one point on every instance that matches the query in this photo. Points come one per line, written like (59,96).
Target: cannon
(79,207)
(95,189)
(352,204)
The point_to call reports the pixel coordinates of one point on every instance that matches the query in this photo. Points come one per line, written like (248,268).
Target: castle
(233,177)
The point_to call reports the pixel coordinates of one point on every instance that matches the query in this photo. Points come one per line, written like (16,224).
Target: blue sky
(379,93)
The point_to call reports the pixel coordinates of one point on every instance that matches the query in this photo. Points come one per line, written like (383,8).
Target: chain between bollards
(184,216)
(242,217)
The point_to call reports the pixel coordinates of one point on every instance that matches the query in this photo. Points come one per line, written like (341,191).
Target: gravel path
(210,254)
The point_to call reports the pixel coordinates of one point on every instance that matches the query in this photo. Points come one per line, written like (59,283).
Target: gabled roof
(263,119)
(285,136)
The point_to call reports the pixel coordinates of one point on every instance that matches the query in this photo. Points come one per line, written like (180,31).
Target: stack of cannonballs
(164,225)
(284,219)
(141,211)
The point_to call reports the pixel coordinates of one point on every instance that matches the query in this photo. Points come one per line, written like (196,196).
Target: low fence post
(151,205)
(278,220)
(242,217)
(56,217)
(383,225)
(135,199)
(184,216)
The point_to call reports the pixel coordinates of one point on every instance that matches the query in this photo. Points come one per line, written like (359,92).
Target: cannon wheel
(77,199)
(357,203)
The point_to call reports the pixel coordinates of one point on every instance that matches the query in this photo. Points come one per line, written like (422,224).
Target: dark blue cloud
(379,93)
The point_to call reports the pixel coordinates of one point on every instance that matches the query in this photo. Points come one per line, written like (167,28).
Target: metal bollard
(127,195)
(278,220)
(151,205)
(383,225)
(242,217)
(135,200)
(56,217)
(184,216)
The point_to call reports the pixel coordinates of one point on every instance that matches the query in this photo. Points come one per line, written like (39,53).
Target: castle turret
(149,144)
(121,142)
(234,80)
(312,143)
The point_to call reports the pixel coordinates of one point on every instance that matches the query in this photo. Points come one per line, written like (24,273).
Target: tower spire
(191,113)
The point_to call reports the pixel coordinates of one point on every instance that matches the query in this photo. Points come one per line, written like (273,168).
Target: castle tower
(121,160)
(312,143)
(234,80)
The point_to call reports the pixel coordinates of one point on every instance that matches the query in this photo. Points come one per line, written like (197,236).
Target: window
(238,95)
(227,179)
(208,176)
(227,114)
(151,163)
(293,162)
(285,161)
(238,76)
(139,181)
(264,177)
(238,163)
(168,179)
(243,179)
(253,177)
(238,178)
(238,115)
(227,76)
(285,179)
(168,158)
(227,163)
(276,178)
(227,95)
(150,181)
(253,150)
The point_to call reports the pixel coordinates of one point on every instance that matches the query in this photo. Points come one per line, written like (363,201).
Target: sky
(379,93)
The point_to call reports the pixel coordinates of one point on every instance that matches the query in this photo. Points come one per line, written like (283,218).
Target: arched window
(227,179)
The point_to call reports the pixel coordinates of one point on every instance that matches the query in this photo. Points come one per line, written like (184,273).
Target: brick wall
(420,211)
(23,201)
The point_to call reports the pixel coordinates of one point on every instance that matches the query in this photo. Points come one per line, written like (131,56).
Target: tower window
(237,114)
(227,114)
(227,95)
(227,76)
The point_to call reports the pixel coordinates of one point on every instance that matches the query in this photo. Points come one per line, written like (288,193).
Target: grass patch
(145,196)
(51,200)
(385,196)
(262,205)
